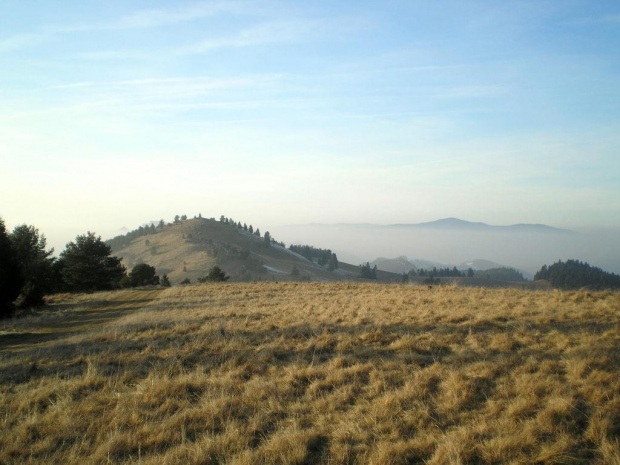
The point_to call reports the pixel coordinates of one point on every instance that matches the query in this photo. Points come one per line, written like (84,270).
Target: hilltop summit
(188,248)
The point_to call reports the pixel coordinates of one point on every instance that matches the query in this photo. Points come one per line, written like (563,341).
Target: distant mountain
(478,265)
(393,265)
(525,247)
(403,265)
(462,225)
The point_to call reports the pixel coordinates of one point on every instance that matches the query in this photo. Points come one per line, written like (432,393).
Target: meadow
(301,373)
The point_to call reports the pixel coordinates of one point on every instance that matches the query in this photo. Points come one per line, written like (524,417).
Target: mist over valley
(455,242)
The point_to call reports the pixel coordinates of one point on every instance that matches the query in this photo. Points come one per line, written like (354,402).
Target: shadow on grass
(64,320)
(260,349)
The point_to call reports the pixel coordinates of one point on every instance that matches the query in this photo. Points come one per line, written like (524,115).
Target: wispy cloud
(141,19)
(20,41)
(172,87)
(153,18)
(145,96)
(144,19)
(278,32)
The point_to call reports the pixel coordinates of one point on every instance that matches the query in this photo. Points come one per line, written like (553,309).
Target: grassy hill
(302,373)
(188,249)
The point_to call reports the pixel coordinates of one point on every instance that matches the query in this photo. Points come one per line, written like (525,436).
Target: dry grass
(316,373)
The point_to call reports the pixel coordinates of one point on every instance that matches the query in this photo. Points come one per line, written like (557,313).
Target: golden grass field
(337,373)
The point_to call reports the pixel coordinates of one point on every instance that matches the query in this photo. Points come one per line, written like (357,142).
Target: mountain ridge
(450,223)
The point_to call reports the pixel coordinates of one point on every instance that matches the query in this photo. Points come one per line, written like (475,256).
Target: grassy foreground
(314,373)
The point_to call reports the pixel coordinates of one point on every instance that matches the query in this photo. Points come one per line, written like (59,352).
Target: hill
(187,249)
(321,373)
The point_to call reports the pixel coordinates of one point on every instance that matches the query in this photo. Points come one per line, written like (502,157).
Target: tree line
(267,238)
(574,274)
(29,271)
(442,273)
(324,257)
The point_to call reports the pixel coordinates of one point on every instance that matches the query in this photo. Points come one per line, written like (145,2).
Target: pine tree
(35,263)
(11,280)
(87,265)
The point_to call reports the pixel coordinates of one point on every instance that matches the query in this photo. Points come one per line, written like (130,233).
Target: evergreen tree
(143,275)
(164,281)
(11,280)
(332,263)
(216,274)
(368,273)
(267,238)
(87,265)
(35,264)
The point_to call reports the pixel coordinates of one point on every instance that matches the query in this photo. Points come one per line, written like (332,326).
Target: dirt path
(70,314)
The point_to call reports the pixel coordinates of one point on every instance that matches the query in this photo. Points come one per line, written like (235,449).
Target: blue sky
(114,113)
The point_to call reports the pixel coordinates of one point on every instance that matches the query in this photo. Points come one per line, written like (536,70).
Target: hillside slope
(188,249)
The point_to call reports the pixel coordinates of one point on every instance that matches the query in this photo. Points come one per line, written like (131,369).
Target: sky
(114,113)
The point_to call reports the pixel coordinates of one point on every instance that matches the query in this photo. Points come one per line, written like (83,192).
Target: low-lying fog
(527,251)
